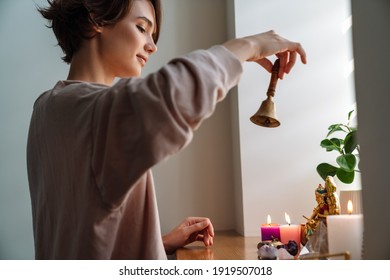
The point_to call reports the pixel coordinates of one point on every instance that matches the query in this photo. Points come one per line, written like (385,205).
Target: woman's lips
(142,59)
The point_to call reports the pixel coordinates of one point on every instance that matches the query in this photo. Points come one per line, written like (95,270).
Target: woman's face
(125,47)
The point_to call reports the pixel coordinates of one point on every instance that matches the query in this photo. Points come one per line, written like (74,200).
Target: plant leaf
(326,169)
(334,128)
(347,162)
(350,143)
(349,115)
(345,176)
(332,144)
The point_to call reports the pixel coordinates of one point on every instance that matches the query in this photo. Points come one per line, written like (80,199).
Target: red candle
(270,231)
(290,232)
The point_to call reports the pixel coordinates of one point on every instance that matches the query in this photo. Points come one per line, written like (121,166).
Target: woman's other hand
(190,230)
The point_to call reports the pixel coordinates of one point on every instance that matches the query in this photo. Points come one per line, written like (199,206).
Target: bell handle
(274,78)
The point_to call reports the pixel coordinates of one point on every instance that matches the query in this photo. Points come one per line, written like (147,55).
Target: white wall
(278,165)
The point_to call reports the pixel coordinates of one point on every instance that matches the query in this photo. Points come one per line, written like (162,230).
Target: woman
(92,142)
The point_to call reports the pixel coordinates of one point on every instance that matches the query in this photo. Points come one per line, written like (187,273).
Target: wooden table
(228,245)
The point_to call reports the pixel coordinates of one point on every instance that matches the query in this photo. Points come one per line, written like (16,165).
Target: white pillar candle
(345,233)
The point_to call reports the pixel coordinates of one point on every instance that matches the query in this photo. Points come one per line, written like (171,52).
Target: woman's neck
(87,66)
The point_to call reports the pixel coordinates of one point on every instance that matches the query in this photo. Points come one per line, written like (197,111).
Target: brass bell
(266,115)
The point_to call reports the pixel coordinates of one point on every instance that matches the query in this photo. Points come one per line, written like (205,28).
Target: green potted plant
(347,149)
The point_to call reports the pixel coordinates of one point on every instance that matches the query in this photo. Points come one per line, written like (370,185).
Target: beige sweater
(91,148)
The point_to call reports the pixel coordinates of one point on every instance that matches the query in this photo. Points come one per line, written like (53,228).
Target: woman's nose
(150,46)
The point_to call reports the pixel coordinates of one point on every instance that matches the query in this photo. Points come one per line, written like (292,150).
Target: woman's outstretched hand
(190,230)
(258,47)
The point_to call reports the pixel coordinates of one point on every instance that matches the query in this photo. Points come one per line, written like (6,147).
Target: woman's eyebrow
(148,21)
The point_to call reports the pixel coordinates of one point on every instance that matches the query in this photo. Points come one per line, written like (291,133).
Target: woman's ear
(95,25)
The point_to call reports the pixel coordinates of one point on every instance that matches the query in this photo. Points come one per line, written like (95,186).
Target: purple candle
(270,231)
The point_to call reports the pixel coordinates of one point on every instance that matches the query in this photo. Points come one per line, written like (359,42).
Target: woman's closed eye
(141,28)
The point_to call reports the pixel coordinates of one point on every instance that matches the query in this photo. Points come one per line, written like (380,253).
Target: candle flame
(269,219)
(287,217)
(350,207)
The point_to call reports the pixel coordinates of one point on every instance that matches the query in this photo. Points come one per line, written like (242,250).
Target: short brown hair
(71,20)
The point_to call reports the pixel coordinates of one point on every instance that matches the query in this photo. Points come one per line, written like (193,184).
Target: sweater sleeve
(140,122)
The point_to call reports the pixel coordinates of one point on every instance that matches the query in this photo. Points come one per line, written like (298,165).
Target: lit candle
(270,231)
(290,232)
(350,207)
(345,233)
(356,198)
